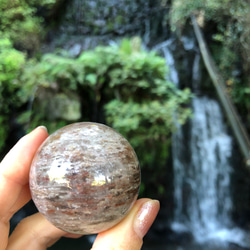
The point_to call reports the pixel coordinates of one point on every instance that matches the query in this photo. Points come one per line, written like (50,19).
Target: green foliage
(11,62)
(123,86)
(230,16)
(231,39)
(19,21)
(219,11)
(147,124)
(20,29)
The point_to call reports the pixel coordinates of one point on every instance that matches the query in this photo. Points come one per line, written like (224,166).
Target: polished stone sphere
(85,178)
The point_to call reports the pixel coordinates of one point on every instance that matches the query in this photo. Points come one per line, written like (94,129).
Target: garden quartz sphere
(84,178)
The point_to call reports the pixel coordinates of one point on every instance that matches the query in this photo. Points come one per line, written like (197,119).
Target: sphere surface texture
(84,178)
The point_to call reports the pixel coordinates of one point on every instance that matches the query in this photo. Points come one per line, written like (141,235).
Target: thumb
(129,233)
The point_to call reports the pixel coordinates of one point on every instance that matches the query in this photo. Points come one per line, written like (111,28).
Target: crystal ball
(84,178)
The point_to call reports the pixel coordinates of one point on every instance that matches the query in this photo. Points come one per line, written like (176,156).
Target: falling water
(202,152)
(202,184)
(201,162)
(164,49)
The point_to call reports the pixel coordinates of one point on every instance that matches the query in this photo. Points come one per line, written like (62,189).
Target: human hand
(35,232)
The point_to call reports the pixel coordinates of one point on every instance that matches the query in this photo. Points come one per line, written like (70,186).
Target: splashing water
(202,184)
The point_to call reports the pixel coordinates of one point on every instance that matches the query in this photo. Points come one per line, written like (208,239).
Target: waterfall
(202,180)
(164,49)
(201,162)
(202,184)
(202,151)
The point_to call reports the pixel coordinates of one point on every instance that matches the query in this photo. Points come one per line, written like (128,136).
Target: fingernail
(145,217)
(40,127)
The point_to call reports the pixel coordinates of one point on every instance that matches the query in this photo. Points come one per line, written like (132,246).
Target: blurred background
(144,68)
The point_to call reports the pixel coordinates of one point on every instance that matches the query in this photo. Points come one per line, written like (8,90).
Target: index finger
(14,173)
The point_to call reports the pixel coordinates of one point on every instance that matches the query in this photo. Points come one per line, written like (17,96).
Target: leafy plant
(230,41)
(11,62)
(20,22)
(121,85)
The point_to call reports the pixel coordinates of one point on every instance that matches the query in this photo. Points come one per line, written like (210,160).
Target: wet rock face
(85,178)
(101,17)
(87,24)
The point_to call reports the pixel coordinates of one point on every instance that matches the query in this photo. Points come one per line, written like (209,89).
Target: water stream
(202,154)
(202,184)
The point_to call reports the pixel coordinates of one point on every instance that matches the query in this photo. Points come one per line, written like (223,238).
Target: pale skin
(35,232)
